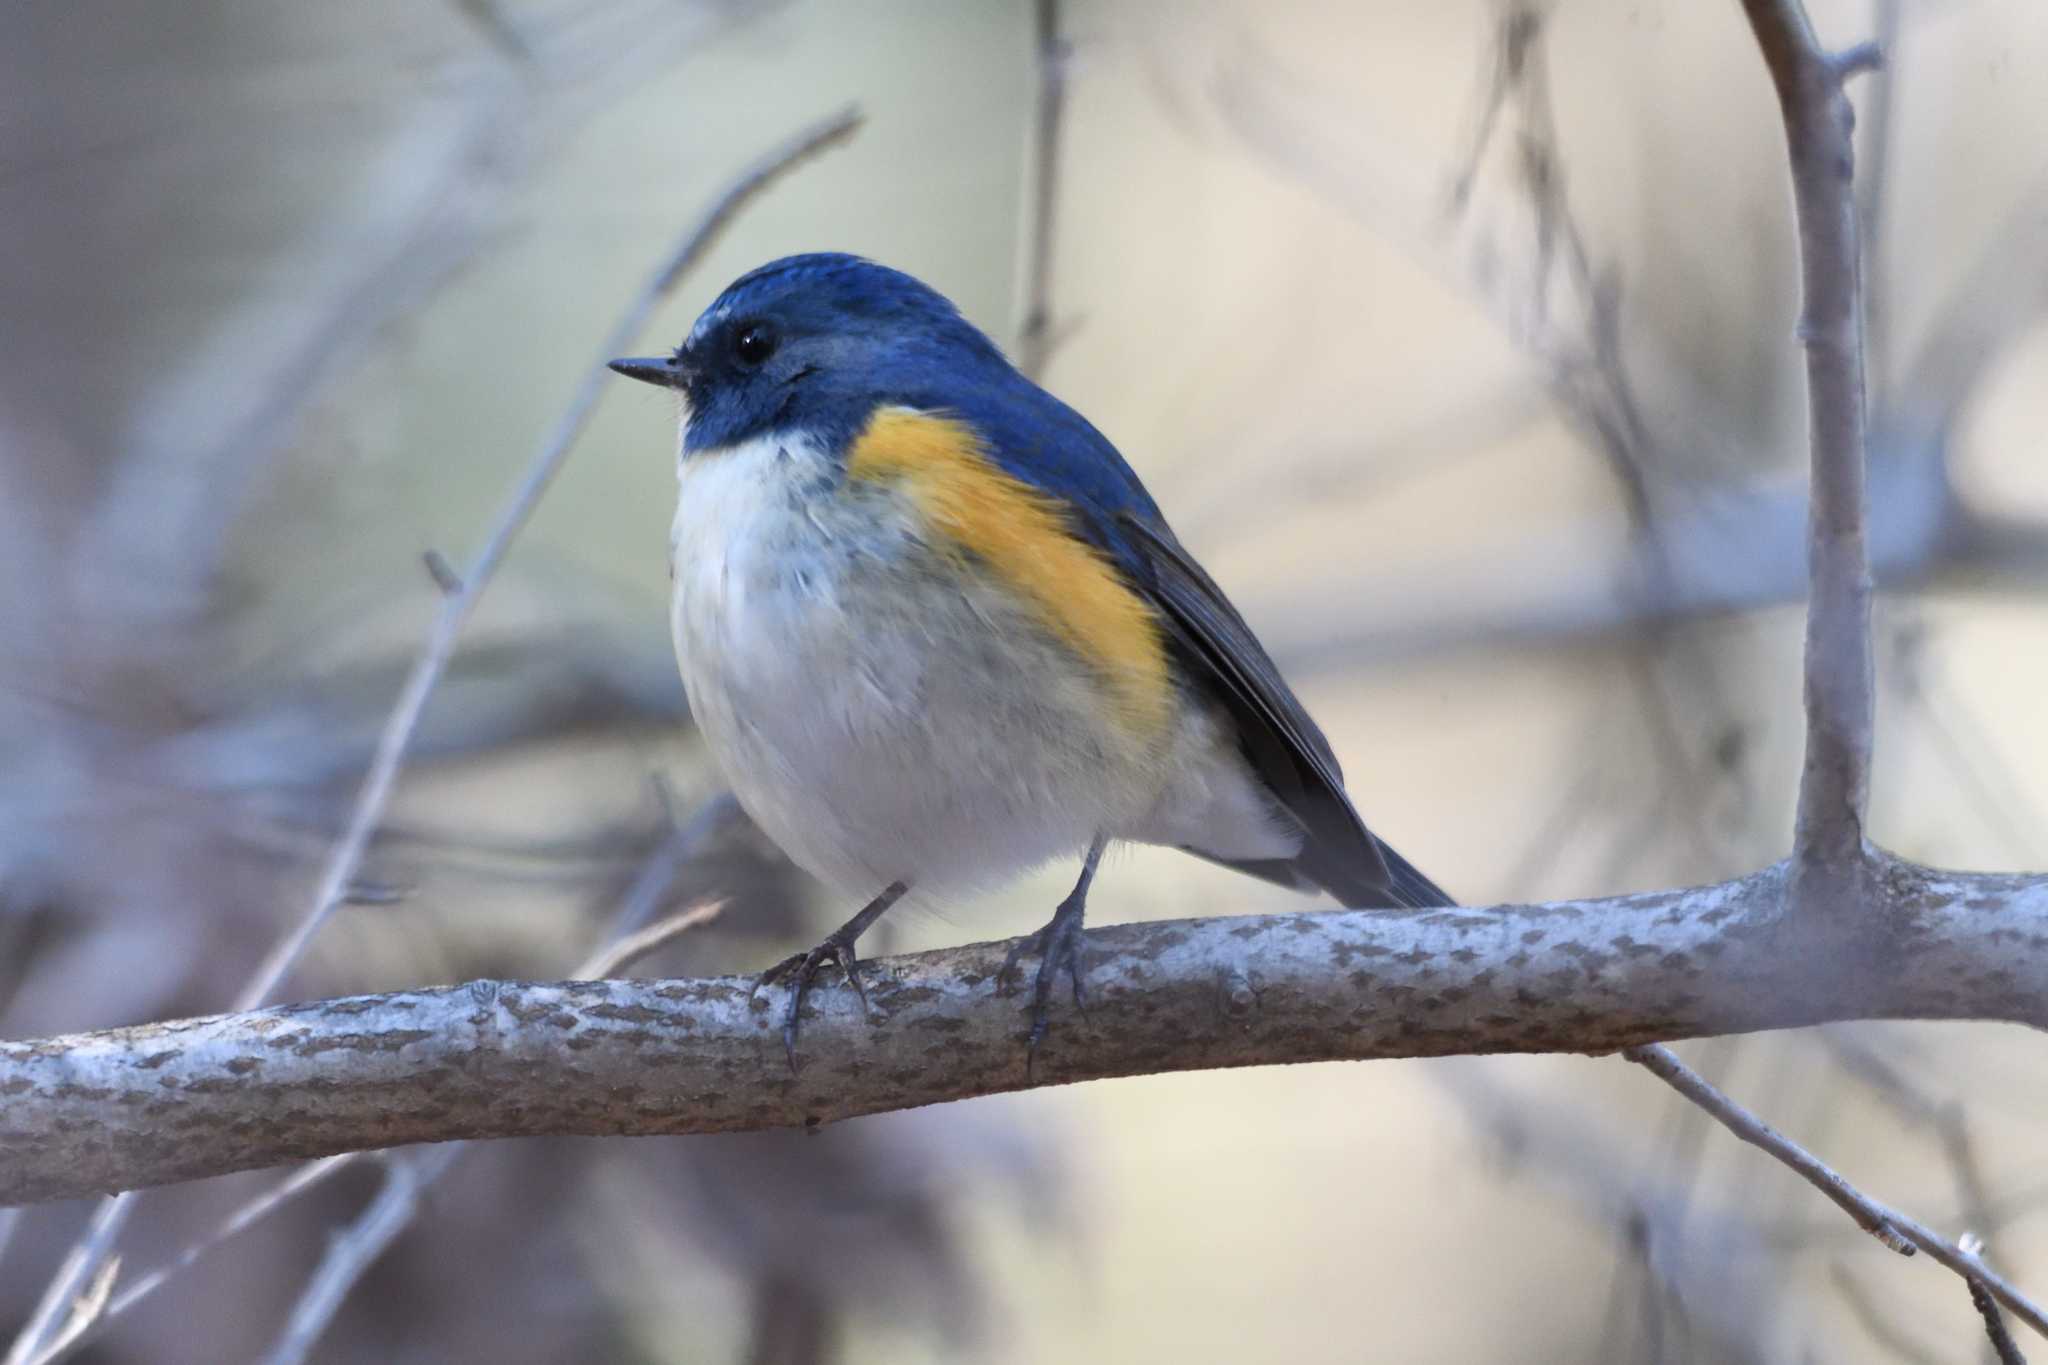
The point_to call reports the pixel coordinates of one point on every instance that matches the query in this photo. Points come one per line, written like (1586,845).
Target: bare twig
(305,1178)
(1664,1063)
(408,1176)
(356,1248)
(633,947)
(1986,1303)
(1035,341)
(55,1321)
(85,1310)
(1590,377)
(1834,788)
(1951,1127)
(658,873)
(2002,1345)
(439,646)
(648,888)
(85,1329)
(1896,1230)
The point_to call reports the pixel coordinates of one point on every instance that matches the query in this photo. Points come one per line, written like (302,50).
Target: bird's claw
(800,969)
(1058,946)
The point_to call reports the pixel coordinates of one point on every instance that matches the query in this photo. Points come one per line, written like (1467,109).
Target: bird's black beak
(662,371)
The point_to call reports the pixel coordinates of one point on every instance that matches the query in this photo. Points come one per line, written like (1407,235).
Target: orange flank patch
(1022,536)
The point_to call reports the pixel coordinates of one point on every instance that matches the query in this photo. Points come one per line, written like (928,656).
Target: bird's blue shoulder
(1040,441)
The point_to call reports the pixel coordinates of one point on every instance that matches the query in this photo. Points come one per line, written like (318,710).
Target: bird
(935,632)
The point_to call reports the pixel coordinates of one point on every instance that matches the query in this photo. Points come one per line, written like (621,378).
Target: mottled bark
(176,1101)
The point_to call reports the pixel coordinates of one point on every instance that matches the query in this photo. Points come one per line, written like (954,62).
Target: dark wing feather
(1284,747)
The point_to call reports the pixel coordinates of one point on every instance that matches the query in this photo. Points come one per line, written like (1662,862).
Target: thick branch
(176,1101)
(1834,788)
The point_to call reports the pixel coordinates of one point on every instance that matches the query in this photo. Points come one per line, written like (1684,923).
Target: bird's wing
(1044,442)
(1283,745)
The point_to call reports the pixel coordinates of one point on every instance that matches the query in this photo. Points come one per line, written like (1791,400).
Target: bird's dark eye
(754,342)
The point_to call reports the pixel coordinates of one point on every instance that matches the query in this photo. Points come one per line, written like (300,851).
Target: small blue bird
(936,633)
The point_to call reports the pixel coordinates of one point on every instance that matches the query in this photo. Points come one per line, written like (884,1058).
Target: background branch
(407,1177)
(1897,1231)
(1035,339)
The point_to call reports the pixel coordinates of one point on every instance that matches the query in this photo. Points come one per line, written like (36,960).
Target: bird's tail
(1408,886)
(1356,883)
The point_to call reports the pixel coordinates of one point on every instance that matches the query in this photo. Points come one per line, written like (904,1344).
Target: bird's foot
(800,969)
(1058,946)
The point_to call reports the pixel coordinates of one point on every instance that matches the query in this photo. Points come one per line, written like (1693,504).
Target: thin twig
(1034,344)
(1951,1128)
(85,1310)
(633,947)
(642,897)
(305,1178)
(353,1250)
(356,1249)
(278,1196)
(46,1327)
(651,884)
(435,651)
(2002,1345)
(359,1249)
(1834,788)
(1896,1230)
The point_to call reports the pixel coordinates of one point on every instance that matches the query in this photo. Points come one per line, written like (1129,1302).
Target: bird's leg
(800,968)
(1058,946)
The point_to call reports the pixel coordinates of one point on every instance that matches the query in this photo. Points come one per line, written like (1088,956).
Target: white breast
(885,712)
(744,556)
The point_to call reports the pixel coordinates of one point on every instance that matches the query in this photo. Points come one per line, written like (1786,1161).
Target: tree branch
(1834,788)
(1897,1231)
(177,1101)
(352,1251)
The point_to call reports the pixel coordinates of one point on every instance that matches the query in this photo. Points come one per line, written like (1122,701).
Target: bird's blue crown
(818,343)
(835,336)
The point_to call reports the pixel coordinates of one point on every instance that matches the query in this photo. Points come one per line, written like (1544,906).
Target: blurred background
(1456,338)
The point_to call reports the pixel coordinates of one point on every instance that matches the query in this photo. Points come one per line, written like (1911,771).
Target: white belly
(885,718)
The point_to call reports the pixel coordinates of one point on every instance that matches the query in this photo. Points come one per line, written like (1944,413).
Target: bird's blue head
(816,343)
